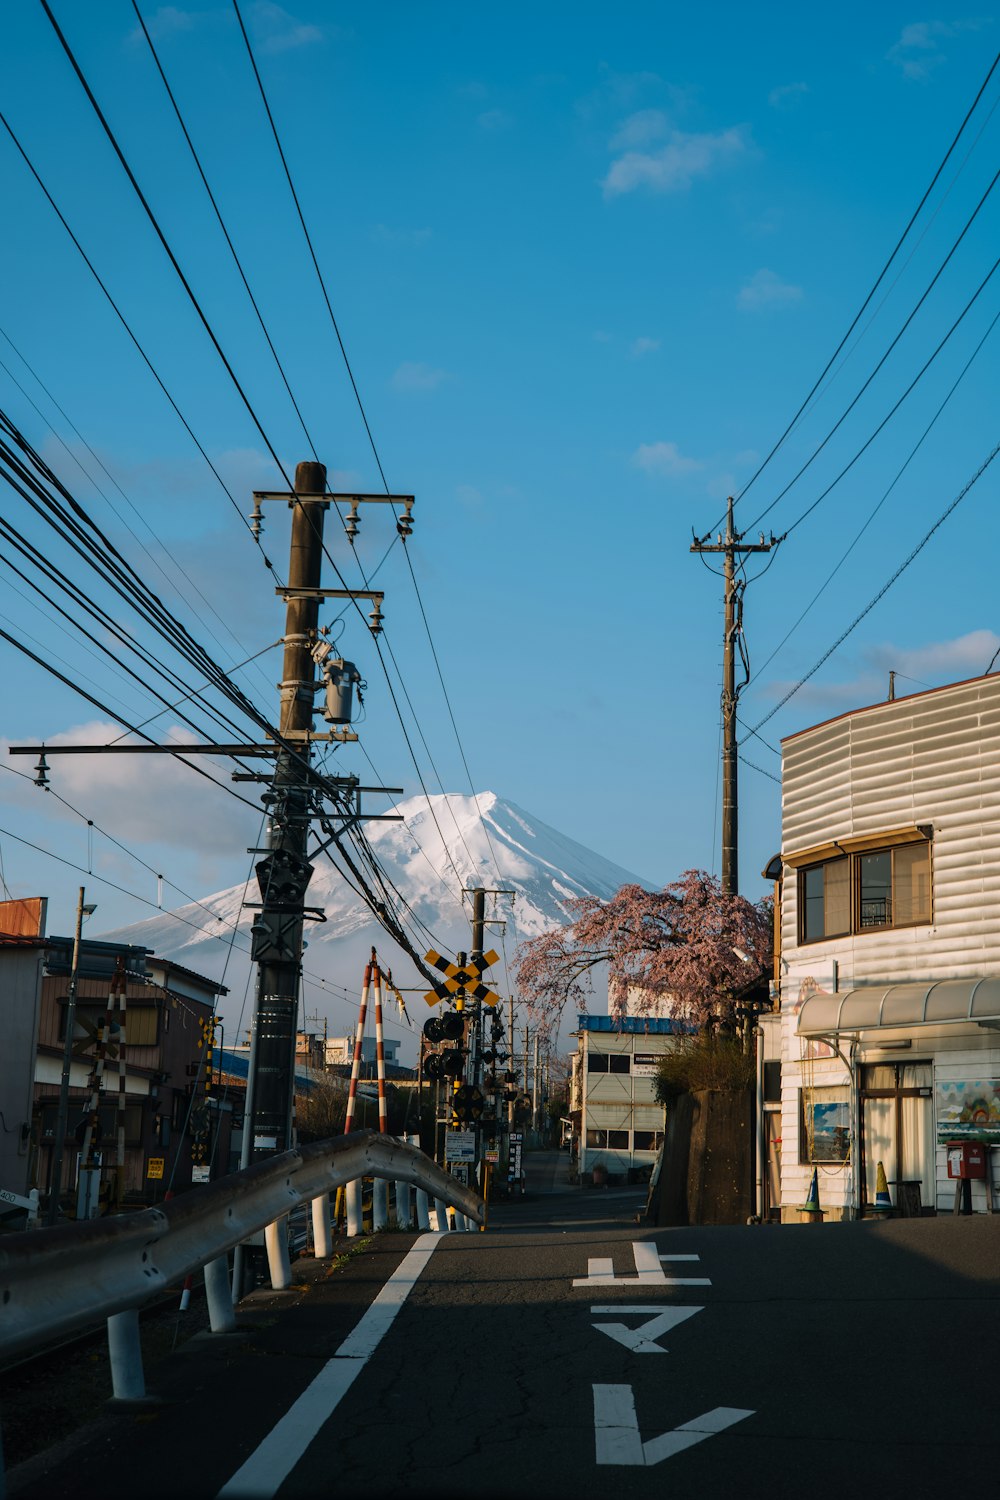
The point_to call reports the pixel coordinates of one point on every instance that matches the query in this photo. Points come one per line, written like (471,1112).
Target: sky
(587,264)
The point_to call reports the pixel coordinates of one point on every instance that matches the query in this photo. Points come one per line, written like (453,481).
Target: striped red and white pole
(383,1116)
(352,1091)
(186,1293)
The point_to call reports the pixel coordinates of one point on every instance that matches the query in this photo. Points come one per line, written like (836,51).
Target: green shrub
(705,1061)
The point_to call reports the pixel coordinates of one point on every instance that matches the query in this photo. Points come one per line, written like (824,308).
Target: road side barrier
(404,1205)
(380,1205)
(55,1282)
(423,1209)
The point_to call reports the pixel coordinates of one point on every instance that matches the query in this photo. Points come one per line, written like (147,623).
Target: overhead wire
(883,590)
(361,408)
(877,283)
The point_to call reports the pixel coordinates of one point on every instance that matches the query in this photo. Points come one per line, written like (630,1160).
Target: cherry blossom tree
(678,944)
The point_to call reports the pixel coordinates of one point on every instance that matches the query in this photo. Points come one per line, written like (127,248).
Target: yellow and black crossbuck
(465,979)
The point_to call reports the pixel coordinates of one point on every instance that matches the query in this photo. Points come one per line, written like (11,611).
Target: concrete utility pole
(284,872)
(731,547)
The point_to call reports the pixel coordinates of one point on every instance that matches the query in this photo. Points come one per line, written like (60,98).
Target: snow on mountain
(444,843)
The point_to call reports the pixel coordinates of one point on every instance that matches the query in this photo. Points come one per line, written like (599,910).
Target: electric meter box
(966,1159)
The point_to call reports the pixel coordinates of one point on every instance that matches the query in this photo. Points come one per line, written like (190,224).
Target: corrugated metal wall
(931,759)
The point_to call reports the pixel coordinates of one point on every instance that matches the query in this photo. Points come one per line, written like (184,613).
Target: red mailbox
(966,1159)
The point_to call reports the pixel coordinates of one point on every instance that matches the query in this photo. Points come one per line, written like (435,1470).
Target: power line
(877,283)
(885,495)
(882,591)
(860,392)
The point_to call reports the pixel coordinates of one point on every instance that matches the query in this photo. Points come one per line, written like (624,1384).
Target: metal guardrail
(56,1281)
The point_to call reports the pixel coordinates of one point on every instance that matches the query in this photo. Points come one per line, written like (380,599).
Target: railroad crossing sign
(466,978)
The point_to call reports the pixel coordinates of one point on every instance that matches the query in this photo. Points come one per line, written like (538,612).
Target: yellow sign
(154,1166)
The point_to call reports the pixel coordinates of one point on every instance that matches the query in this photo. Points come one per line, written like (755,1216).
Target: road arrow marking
(642,1340)
(616,1429)
(649,1272)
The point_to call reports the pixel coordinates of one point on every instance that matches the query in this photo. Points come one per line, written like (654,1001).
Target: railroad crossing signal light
(452,1026)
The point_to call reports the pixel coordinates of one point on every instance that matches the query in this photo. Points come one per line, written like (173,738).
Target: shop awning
(875,1008)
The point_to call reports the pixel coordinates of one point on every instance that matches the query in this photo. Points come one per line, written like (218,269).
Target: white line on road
(616,1429)
(277,1455)
(649,1272)
(642,1339)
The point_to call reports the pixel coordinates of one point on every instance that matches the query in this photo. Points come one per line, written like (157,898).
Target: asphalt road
(568,1352)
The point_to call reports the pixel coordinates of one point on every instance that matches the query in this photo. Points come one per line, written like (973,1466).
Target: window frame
(855,927)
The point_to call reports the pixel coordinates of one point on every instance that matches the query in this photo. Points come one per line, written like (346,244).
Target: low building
(618,1123)
(890,950)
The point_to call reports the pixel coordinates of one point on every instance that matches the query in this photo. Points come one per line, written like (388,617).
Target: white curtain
(880,1145)
(918,1133)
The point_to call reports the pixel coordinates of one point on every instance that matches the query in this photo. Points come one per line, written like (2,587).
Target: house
(176,1124)
(619,1124)
(890,949)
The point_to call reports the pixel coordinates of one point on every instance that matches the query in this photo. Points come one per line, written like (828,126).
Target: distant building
(340,1051)
(618,1123)
(168,1008)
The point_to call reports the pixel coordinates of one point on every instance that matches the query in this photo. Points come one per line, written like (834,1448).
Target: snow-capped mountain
(445,843)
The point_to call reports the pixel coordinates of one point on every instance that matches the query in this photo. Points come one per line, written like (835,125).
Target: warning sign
(460,1145)
(154,1166)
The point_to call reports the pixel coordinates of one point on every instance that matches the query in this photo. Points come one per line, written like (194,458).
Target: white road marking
(642,1339)
(273,1460)
(649,1272)
(616,1429)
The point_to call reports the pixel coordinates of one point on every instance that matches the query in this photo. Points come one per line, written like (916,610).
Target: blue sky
(587,262)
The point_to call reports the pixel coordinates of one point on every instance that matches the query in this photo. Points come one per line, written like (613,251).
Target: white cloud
(414,376)
(966,655)
(765,289)
(665,460)
(140,798)
(166,21)
(643,345)
(786,95)
(469,496)
(280,31)
(918,52)
(640,129)
(676,164)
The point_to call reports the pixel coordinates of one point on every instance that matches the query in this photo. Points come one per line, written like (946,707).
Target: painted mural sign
(968,1108)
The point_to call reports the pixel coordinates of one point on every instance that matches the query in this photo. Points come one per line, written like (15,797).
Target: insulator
(256,520)
(376,617)
(404,523)
(41,772)
(352,524)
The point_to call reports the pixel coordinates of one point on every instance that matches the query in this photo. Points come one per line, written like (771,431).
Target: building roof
(634,1025)
(868,708)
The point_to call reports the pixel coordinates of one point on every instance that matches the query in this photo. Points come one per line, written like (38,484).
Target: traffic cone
(813,1196)
(883,1203)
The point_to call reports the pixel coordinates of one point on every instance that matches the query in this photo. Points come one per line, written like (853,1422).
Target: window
(607,1062)
(824,1125)
(869,891)
(647,1140)
(607,1140)
(825,900)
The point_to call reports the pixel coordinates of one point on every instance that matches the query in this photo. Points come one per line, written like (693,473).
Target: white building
(620,1122)
(890,948)
(340,1050)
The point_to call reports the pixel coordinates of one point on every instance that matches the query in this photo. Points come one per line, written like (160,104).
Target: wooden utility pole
(731,547)
(284,872)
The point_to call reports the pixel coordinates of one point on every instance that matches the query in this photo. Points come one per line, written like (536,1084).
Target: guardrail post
(278,1263)
(404,1205)
(125,1350)
(441,1210)
(352,1194)
(423,1209)
(322,1237)
(219,1297)
(380,1204)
